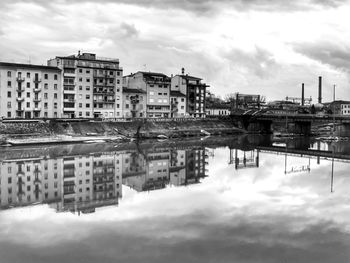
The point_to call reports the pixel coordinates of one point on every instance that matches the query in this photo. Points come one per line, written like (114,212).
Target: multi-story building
(157,88)
(92,86)
(195,92)
(30,91)
(178,104)
(134,103)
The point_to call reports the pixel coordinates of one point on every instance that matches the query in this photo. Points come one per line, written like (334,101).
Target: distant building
(92,86)
(218,110)
(157,88)
(30,91)
(177,104)
(195,92)
(134,103)
(345,109)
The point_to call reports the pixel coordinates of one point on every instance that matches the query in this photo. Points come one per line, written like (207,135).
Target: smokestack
(319,89)
(302,94)
(183,71)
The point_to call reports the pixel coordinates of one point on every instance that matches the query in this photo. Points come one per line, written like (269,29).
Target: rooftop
(189,77)
(27,66)
(89,57)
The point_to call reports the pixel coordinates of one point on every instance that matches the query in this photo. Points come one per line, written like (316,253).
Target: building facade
(30,91)
(157,88)
(92,86)
(195,92)
(177,104)
(134,103)
(345,109)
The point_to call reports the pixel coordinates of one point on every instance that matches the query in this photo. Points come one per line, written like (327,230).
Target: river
(238,199)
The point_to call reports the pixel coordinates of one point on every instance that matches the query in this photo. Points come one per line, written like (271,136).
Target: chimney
(319,89)
(302,94)
(183,71)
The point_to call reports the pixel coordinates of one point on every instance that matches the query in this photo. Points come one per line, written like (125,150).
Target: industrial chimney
(319,89)
(183,71)
(302,94)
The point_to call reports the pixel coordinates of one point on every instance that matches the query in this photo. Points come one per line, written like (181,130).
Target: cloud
(260,62)
(329,53)
(203,6)
(128,30)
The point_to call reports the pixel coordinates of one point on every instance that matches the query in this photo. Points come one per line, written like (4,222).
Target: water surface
(241,199)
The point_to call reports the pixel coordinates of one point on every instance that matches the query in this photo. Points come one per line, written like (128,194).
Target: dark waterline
(240,199)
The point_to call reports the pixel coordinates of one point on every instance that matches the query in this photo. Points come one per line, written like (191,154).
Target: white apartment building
(345,109)
(30,91)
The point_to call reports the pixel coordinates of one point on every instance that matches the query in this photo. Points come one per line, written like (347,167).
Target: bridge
(258,121)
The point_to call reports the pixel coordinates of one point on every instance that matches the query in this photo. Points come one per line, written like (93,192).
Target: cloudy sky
(247,46)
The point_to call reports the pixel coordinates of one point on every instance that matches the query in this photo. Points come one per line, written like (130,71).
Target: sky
(247,46)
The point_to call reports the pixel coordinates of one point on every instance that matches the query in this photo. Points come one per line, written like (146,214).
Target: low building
(157,88)
(338,107)
(177,104)
(134,103)
(30,91)
(345,109)
(218,110)
(195,92)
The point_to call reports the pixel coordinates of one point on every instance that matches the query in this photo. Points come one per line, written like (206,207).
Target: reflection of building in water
(90,182)
(244,159)
(70,184)
(24,182)
(163,167)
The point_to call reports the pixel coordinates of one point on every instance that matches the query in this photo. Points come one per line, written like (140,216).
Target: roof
(150,74)
(128,90)
(176,93)
(90,57)
(29,66)
(189,77)
(218,106)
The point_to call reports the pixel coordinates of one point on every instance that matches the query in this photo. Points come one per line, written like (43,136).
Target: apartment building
(157,88)
(195,92)
(345,108)
(134,103)
(92,86)
(177,104)
(30,91)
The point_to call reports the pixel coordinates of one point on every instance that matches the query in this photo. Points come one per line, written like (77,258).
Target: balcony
(68,100)
(20,99)
(20,89)
(20,79)
(37,89)
(20,110)
(37,80)
(37,99)
(37,109)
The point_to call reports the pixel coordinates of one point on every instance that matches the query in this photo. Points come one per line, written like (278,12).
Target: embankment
(141,128)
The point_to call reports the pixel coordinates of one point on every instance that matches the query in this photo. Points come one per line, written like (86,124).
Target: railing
(20,79)
(37,80)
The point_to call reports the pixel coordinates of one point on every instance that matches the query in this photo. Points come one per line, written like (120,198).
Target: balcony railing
(37,80)
(20,89)
(37,99)
(68,100)
(20,79)
(37,89)
(20,99)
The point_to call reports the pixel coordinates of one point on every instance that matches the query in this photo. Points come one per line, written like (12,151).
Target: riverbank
(23,133)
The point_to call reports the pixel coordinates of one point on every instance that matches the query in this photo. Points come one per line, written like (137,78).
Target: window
(182,99)
(151,100)
(46,76)
(87,80)
(80,114)
(8,83)
(45,95)
(55,107)
(28,85)
(87,87)
(55,95)
(87,105)
(118,81)
(117,106)
(9,73)
(46,86)
(28,75)
(28,94)
(80,79)
(9,94)
(28,104)
(45,105)
(55,86)
(80,105)
(151,93)
(9,104)
(118,73)
(126,106)
(45,114)
(87,97)
(8,114)
(87,114)
(80,70)
(55,77)
(80,87)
